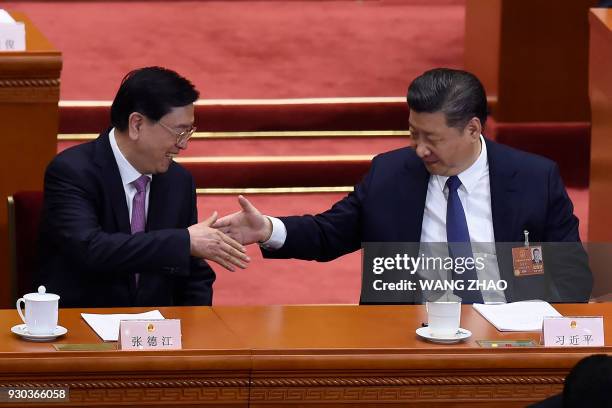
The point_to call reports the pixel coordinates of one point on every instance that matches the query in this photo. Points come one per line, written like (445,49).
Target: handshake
(222,240)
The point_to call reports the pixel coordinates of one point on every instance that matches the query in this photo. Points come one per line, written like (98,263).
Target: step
(253,115)
(278,143)
(276,171)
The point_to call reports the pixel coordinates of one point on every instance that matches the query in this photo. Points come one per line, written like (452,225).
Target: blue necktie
(458,238)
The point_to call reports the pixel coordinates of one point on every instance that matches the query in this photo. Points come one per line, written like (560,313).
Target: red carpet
(252,49)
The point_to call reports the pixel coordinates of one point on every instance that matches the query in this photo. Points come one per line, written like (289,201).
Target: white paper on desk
(5,17)
(107,325)
(517,316)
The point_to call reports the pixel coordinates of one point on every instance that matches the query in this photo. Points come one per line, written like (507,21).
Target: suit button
(169,269)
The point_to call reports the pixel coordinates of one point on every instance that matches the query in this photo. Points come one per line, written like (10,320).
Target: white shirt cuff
(278,237)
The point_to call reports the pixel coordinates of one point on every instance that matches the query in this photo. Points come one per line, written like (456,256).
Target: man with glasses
(120,219)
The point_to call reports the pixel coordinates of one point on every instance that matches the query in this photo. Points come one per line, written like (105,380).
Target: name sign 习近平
(573,331)
(141,335)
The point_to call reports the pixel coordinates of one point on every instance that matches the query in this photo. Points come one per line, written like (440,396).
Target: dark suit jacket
(88,254)
(388,205)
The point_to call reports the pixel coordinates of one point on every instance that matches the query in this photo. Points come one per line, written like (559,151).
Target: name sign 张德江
(141,335)
(573,331)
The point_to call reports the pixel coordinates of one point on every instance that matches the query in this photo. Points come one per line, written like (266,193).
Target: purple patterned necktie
(139,218)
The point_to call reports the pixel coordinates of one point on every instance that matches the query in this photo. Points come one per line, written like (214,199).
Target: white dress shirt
(128,175)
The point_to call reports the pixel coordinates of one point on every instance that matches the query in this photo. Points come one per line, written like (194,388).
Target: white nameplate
(573,331)
(12,33)
(150,334)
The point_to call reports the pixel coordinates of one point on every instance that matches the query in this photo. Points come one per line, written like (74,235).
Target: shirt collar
(126,170)
(470,176)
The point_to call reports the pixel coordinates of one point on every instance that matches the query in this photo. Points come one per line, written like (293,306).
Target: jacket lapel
(504,209)
(413,200)
(113,185)
(504,195)
(157,207)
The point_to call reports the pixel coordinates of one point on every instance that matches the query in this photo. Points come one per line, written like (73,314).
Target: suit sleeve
(570,267)
(71,216)
(329,235)
(196,288)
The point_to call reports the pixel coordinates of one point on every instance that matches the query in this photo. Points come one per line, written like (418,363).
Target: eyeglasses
(182,137)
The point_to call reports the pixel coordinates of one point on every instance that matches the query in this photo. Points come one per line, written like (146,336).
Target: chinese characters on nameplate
(576,331)
(150,334)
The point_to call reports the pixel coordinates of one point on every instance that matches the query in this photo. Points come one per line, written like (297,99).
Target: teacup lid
(41,296)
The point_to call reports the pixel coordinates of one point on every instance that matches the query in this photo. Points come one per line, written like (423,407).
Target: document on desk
(517,316)
(5,17)
(107,325)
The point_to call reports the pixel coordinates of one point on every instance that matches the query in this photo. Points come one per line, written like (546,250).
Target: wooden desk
(213,367)
(297,356)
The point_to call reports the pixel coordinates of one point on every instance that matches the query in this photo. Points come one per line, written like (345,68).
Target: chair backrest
(24,212)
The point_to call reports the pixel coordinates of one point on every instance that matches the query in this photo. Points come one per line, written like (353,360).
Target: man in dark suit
(120,220)
(451,186)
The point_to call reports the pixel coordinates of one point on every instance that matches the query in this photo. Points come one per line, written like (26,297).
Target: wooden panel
(29,94)
(540,62)
(600,89)
(600,190)
(481,52)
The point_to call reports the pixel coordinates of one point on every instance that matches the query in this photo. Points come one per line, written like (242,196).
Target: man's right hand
(246,226)
(213,244)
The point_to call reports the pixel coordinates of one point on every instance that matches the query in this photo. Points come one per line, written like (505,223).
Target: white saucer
(460,335)
(22,331)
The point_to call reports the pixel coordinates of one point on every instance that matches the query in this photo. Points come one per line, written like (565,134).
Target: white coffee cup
(40,311)
(443,318)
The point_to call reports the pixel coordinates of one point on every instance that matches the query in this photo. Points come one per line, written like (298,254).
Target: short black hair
(589,383)
(456,93)
(151,91)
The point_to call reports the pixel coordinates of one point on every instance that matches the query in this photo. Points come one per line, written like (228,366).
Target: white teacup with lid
(40,311)
(443,318)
